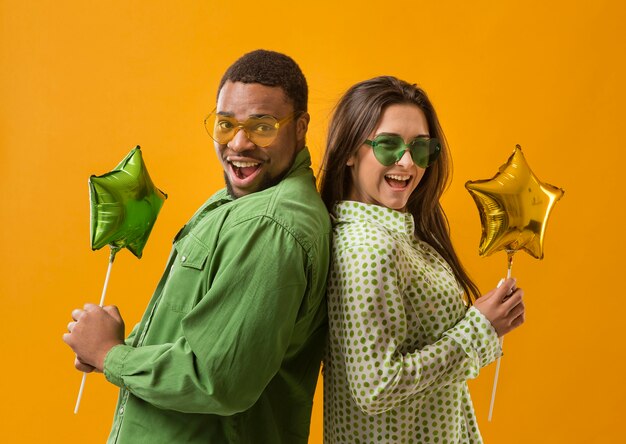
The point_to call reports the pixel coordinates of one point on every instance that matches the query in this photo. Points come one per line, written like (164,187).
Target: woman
(402,340)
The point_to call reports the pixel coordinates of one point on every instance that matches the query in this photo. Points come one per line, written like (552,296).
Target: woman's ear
(350,161)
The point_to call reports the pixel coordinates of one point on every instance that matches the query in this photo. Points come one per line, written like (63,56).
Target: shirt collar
(302,160)
(351,211)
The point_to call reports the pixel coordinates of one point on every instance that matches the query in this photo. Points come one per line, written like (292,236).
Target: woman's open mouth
(397,181)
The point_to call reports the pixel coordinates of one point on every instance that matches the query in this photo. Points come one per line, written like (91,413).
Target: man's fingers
(70,326)
(91,307)
(86,368)
(113,311)
(77,313)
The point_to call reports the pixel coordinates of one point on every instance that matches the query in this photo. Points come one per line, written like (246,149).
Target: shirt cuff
(114,364)
(478,339)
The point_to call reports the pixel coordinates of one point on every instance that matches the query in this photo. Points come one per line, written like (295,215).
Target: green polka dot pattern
(402,342)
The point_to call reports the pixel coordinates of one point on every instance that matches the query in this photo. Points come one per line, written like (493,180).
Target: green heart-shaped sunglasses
(389,149)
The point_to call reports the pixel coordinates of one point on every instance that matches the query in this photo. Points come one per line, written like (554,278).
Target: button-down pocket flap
(191,252)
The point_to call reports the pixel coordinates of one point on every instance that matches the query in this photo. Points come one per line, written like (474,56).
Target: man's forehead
(252,98)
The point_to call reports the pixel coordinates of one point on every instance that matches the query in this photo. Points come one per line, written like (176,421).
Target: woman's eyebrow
(398,135)
(387,134)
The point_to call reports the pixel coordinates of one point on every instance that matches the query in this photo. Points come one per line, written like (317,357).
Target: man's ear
(302,125)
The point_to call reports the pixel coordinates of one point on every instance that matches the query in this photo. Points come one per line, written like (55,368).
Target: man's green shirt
(229,347)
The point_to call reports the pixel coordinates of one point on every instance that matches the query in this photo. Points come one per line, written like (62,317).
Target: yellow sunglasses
(261,130)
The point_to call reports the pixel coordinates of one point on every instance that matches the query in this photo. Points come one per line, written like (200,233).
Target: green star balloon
(124,206)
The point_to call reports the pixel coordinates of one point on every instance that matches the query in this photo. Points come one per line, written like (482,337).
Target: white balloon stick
(495,378)
(104,292)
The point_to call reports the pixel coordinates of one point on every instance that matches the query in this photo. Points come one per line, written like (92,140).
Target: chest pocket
(192,253)
(187,282)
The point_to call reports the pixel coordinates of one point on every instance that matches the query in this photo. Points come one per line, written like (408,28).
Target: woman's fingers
(513,300)
(505,290)
(518,320)
(517,311)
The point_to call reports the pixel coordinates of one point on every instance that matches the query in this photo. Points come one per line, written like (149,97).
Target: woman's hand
(503,307)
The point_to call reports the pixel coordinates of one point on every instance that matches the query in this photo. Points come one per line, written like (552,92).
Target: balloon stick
(495,378)
(104,292)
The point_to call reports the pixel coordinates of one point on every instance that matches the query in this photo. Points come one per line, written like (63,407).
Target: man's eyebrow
(257,116)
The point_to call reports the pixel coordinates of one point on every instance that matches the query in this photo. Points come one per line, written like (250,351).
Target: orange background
(83,82)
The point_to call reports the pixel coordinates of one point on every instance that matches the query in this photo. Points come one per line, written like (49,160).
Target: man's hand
(92,333)
(81,366)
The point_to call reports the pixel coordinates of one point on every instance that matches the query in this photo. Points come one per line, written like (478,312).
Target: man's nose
(240,142)
(406,160)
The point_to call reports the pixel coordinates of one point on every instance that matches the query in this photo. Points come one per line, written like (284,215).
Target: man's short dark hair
(270,68)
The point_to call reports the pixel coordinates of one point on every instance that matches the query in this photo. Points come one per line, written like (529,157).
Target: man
(229,347)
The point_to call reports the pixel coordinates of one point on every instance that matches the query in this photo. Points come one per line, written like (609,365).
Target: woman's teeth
(397,180)
(397,177)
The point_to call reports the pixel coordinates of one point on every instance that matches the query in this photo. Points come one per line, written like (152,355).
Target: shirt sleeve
(372,327)
(235,338)
(131,337)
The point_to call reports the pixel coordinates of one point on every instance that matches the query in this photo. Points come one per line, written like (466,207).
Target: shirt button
(122,410)
(183,259)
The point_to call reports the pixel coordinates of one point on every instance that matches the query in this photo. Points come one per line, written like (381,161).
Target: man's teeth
(243,164)
(397,177)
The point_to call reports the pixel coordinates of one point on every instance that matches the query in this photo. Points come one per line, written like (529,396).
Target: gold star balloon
(514,207)
(124,206)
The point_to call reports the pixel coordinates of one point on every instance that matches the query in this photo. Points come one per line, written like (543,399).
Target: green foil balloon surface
(124,206)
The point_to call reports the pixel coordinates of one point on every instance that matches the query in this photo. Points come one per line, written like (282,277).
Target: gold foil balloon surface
(514,208)
(124,205)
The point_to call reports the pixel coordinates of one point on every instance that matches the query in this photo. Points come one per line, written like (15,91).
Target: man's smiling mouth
(244,169)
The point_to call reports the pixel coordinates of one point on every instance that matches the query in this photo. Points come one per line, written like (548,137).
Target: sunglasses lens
(223,129)
(425,151)
(387,149)
(390,149)
(262,131)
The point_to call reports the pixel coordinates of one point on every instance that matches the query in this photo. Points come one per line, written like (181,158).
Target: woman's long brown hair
(356,116)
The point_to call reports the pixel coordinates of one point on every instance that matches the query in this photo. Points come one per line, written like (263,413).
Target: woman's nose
(406,160)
